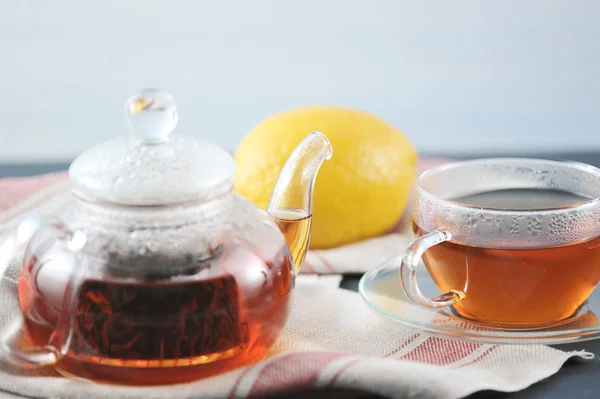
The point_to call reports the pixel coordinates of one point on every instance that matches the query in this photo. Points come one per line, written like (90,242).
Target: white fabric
(331,341)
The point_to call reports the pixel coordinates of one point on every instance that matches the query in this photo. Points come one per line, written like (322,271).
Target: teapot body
(161,296)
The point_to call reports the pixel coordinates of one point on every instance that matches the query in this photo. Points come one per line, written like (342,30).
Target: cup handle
(408,272)
(15,240)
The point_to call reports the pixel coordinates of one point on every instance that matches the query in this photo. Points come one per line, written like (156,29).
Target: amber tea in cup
(510,242)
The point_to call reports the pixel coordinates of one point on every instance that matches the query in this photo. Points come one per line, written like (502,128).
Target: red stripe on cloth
(30,207)
(346,366)
(402,346)
(459,325)
(14,190)
(237,382)
(295,370)
(325,262)
(307,268)
(484,354)
(440,352)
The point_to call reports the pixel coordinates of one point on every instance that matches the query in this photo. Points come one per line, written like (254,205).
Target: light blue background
(455,76)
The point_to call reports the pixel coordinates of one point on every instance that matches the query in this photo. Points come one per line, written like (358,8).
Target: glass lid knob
(152,115)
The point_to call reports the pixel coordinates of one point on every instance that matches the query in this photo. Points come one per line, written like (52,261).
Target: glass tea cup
(511,242)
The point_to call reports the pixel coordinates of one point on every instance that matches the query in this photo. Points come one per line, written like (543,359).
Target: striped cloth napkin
(332,341)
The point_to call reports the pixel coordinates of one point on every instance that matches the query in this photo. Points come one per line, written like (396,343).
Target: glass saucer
(382,290)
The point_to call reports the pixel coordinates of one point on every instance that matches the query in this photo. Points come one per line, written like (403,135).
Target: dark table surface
(576,379)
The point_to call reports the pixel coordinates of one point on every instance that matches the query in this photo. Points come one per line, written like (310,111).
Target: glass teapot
(155,271)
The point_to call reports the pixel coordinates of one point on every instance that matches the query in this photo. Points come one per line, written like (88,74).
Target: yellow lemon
(361,192)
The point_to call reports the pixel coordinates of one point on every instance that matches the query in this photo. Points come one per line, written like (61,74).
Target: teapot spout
(291,202)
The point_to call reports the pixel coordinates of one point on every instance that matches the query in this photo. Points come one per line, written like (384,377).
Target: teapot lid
(152,167)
